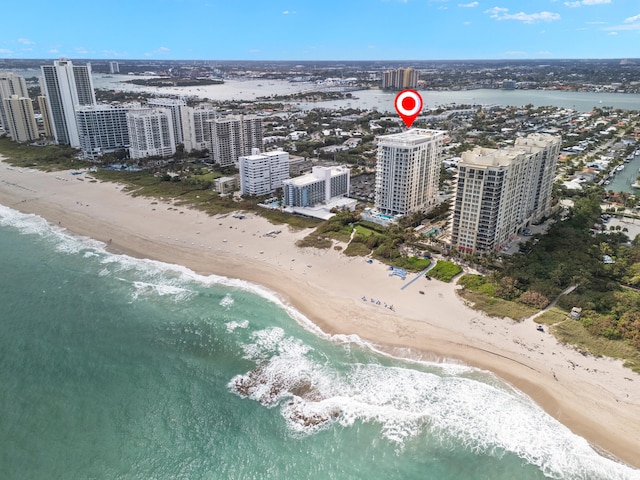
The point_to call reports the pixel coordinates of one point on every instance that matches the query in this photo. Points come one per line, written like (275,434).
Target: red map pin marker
(408,105)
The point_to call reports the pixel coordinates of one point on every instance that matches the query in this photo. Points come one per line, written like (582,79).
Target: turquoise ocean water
(114,367)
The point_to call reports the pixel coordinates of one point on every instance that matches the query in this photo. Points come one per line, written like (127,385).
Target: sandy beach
(596,398)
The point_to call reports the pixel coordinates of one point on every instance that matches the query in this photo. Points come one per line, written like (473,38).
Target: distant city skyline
(328,30)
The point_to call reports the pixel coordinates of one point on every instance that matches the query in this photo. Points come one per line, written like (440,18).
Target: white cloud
(580,3)
(500,13)
(613,33)
(158,51)
(26,41)
(466,23)
(468,5)
(630,23)
(4,51)
(543,53)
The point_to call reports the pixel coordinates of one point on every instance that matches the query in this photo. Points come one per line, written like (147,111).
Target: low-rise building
(225,185)
(319,186)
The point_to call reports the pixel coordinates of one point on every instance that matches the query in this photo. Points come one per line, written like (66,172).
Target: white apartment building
(408,171)
(66,87)
(179,116)
(319,186)
(500,192)
(103,128)
(199,119)
(21,122)
(233,137)
(263,173)
(150,133)
(10,84)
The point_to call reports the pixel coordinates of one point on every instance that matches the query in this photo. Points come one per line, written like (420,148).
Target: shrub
(534,299)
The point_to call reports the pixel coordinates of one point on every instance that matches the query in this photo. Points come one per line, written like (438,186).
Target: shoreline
(595,398)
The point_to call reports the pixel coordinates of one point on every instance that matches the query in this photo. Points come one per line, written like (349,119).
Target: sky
(321,29)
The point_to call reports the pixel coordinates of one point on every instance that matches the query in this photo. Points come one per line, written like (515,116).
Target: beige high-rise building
(233,137)
(408,171)
(400,79)
(21,122)
(46,116)
(10,84)
(500,192)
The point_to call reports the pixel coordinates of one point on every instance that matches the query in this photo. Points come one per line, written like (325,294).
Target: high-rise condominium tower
(400,78)
(233,137)
(21,122)
(179,116)
(408,171)
(263,173)
(66,87)
(103,128)
(500,192)
(10,84)
(150,133)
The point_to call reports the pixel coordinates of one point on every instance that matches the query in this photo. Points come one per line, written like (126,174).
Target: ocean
(113,367)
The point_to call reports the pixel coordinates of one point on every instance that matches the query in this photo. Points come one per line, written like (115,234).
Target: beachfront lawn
(445,271)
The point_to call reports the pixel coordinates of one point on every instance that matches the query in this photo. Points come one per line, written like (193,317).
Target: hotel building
(500,192)
(408,171)
(319,186)
(233,137)
(66,87)
(263,173)
(150,133)
(21,122)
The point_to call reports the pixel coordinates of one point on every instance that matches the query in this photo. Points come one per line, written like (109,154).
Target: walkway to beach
(421,274)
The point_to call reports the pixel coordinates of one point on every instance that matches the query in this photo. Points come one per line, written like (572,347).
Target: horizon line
(320,60)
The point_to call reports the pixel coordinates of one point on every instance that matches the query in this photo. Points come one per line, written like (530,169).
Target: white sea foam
(30,224)
(160,289)
(489,418)
(227,301)
(232,326)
